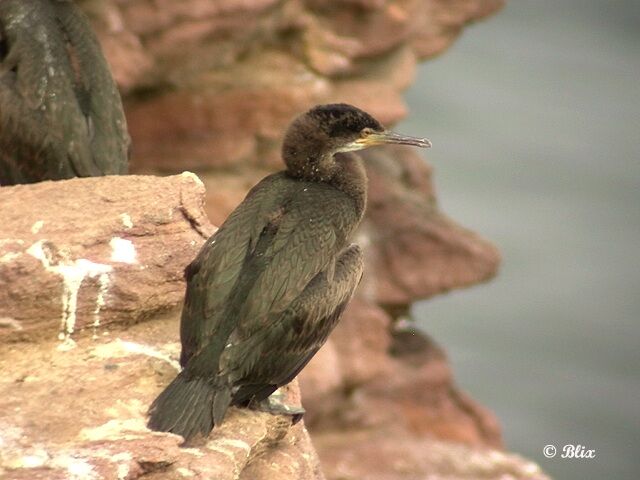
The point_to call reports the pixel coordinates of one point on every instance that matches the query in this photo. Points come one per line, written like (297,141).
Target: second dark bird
(60,111)
(269,286)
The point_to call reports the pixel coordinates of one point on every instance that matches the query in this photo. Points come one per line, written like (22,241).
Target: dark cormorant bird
(268,287)
(60,111)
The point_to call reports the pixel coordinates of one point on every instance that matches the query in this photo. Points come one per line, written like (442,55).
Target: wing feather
(49,131)
(274,247)
(277,350)
(307,241)
(217,268)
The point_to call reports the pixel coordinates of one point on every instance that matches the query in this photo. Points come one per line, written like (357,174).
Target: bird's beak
(381,138)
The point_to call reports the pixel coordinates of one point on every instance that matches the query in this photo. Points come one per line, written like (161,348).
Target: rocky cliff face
(74,407)
(82,261)
(209,86)
(94,251)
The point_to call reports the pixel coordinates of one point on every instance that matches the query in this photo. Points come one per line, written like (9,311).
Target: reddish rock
(211,86)
(386,24)
(371,375)
(390,455)
(419,395)
(225,191)
(95,427)
(130,64)
(440,22)
(415,250)
(252,65)
(84,253)
(356,353)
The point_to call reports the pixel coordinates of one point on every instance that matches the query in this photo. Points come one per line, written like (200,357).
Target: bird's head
(317,135)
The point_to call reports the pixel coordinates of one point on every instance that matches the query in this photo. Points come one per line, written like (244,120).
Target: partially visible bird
(60,111)
(269,286)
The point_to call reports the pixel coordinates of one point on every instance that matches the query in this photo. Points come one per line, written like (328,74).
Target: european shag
(60,111)
(269,286)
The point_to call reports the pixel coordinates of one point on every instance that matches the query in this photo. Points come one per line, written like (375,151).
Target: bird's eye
(366,131)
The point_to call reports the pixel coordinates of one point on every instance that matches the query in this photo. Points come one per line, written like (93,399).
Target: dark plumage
(60,111)
(268,287)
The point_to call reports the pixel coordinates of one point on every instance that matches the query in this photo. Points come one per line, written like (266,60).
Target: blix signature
(569,451)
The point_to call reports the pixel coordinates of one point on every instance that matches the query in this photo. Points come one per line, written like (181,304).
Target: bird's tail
(189,406)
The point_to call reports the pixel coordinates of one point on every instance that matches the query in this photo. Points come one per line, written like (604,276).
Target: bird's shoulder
(294,209)
(241,228)
(313,226)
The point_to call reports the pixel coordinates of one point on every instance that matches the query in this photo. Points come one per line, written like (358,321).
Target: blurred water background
(536,131)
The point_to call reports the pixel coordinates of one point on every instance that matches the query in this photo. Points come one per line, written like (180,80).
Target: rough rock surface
(221,111)
(397,381)
(415,251)
(391,455)
(380,399)
(89,252)
(80,414)
(252,65)
(370,377)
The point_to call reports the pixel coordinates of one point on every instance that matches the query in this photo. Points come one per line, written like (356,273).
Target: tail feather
(220,404)
(186,407)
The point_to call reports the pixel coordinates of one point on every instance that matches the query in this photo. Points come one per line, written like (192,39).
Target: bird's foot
(275,405)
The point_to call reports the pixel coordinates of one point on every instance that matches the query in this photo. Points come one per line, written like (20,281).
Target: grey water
(534,117)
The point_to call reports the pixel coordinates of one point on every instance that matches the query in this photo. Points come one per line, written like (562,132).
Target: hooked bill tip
(426,143)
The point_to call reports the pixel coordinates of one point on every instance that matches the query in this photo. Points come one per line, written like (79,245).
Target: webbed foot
(274,404)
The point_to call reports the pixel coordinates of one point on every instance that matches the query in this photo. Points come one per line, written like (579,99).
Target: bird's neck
(343,171)
(307,157)
(350,177)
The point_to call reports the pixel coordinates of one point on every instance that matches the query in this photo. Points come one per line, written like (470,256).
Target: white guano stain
(237,450)
(192,176)
(37,226)
(149,351)
(126,220)
(196,452)
(77,468)
(229,454)
(103,281)
(8,322)
(73,273)
(123,459)
(123,471)
(115,429)
(4,241)
(35,459)
(235,443)
(123,251)
(9,257)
